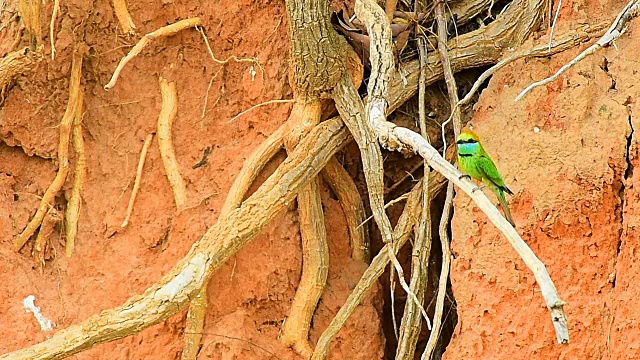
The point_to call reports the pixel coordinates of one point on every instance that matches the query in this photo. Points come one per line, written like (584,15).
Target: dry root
(30,14)
(124,18)
(13,64)
(401,233)
(165,121)
(73,111)
(136,183)
(162,32)
(46,229)
(315,252)
(54,16)
(195,325)
(352,206)
(72,214)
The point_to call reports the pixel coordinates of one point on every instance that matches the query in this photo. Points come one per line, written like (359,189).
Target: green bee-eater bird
(474,161)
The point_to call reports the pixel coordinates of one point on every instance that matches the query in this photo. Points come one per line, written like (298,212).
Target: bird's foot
(464,176)
(477,188)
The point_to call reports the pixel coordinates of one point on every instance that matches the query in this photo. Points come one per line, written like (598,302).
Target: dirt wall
(568,150)
(251,295)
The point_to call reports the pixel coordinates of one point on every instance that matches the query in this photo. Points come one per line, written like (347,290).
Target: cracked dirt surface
(568,151)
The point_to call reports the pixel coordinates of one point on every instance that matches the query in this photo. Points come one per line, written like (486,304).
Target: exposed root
(259,105)
(315,267)
(230,58)
(165,121)
(46,229)
(13,64)
(444,274)
(54,16)
(251,168)
(145,40)
(30,14)
(136,183)
(361,123)
(124,18)
(72,111)
(352,206)
(565,43)
(411,321)
(315,252)
(194,325)
(407,221)
(175,290)
(72,213)
(618,27)
(452,87)
(448,204)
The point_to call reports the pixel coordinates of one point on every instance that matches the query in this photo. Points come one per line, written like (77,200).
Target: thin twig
(136,183)
(565,43)
(206,98)
(615,31)
(259,105)
(386,206)
(230,58)
(452,88)
(553,25)
(54,16)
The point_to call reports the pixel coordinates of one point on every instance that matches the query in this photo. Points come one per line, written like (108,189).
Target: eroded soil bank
(568,150)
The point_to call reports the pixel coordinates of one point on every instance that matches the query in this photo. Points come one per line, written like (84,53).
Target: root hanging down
(44,235)
(72,213)
(73,111)
(165,121)
(194,326)
(124,18)
(347,193)
(136,183)
(54,16)
(315,251)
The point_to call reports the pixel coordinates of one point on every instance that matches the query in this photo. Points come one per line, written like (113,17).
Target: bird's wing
(490,172)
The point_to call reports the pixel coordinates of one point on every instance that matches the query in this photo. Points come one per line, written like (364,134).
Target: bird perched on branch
(474,161)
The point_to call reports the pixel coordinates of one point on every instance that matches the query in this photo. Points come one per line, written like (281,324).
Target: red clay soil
(574,200)
(568,151)
(251,295)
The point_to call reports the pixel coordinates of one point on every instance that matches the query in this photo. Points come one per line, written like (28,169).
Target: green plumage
(474,161)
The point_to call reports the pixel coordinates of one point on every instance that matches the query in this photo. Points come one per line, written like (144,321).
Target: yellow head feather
(468,134)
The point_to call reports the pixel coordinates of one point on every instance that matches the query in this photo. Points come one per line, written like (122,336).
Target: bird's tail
(505,206)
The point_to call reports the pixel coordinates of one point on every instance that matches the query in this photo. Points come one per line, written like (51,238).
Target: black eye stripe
(468,141)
